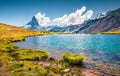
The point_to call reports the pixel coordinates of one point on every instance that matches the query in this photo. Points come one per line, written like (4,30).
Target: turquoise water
(97,46)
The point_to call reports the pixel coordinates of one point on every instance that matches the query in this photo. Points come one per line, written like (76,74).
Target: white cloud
(74,18)
(42,19)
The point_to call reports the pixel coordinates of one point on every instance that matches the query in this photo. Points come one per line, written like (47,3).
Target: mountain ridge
(108,23)
(104,22)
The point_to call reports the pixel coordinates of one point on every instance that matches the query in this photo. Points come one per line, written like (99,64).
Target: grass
(110,33)
(29,54)
(22,62)
(73,58)
(26,68)
(13,33)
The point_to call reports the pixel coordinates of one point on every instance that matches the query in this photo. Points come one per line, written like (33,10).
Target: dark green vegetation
(15,61)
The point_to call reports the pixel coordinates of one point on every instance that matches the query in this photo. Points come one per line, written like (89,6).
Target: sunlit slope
(15,33)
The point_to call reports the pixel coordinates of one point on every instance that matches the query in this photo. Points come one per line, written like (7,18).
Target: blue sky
(19,12)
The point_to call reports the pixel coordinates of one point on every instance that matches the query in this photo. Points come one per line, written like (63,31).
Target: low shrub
(73,58)
(6,46)
(30,55)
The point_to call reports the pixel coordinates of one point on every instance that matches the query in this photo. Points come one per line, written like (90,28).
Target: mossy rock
(73,58)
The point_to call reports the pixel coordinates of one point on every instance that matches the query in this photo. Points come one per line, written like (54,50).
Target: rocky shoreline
(94,68)
(101,68)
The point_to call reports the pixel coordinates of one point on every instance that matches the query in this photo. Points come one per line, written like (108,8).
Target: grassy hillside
(10,33)
(16,33)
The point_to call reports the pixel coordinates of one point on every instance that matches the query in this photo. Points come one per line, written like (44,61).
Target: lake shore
(93,67)
(89,67)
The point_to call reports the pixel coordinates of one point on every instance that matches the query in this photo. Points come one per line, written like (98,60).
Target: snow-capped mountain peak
(38,21)
(33,24)
(101,15)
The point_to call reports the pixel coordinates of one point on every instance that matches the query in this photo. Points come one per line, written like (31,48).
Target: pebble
(66,70)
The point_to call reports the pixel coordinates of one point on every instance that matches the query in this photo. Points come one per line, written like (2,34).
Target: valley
(59,38)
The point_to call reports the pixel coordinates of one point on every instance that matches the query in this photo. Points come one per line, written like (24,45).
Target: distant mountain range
(104,22)
(110,22)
